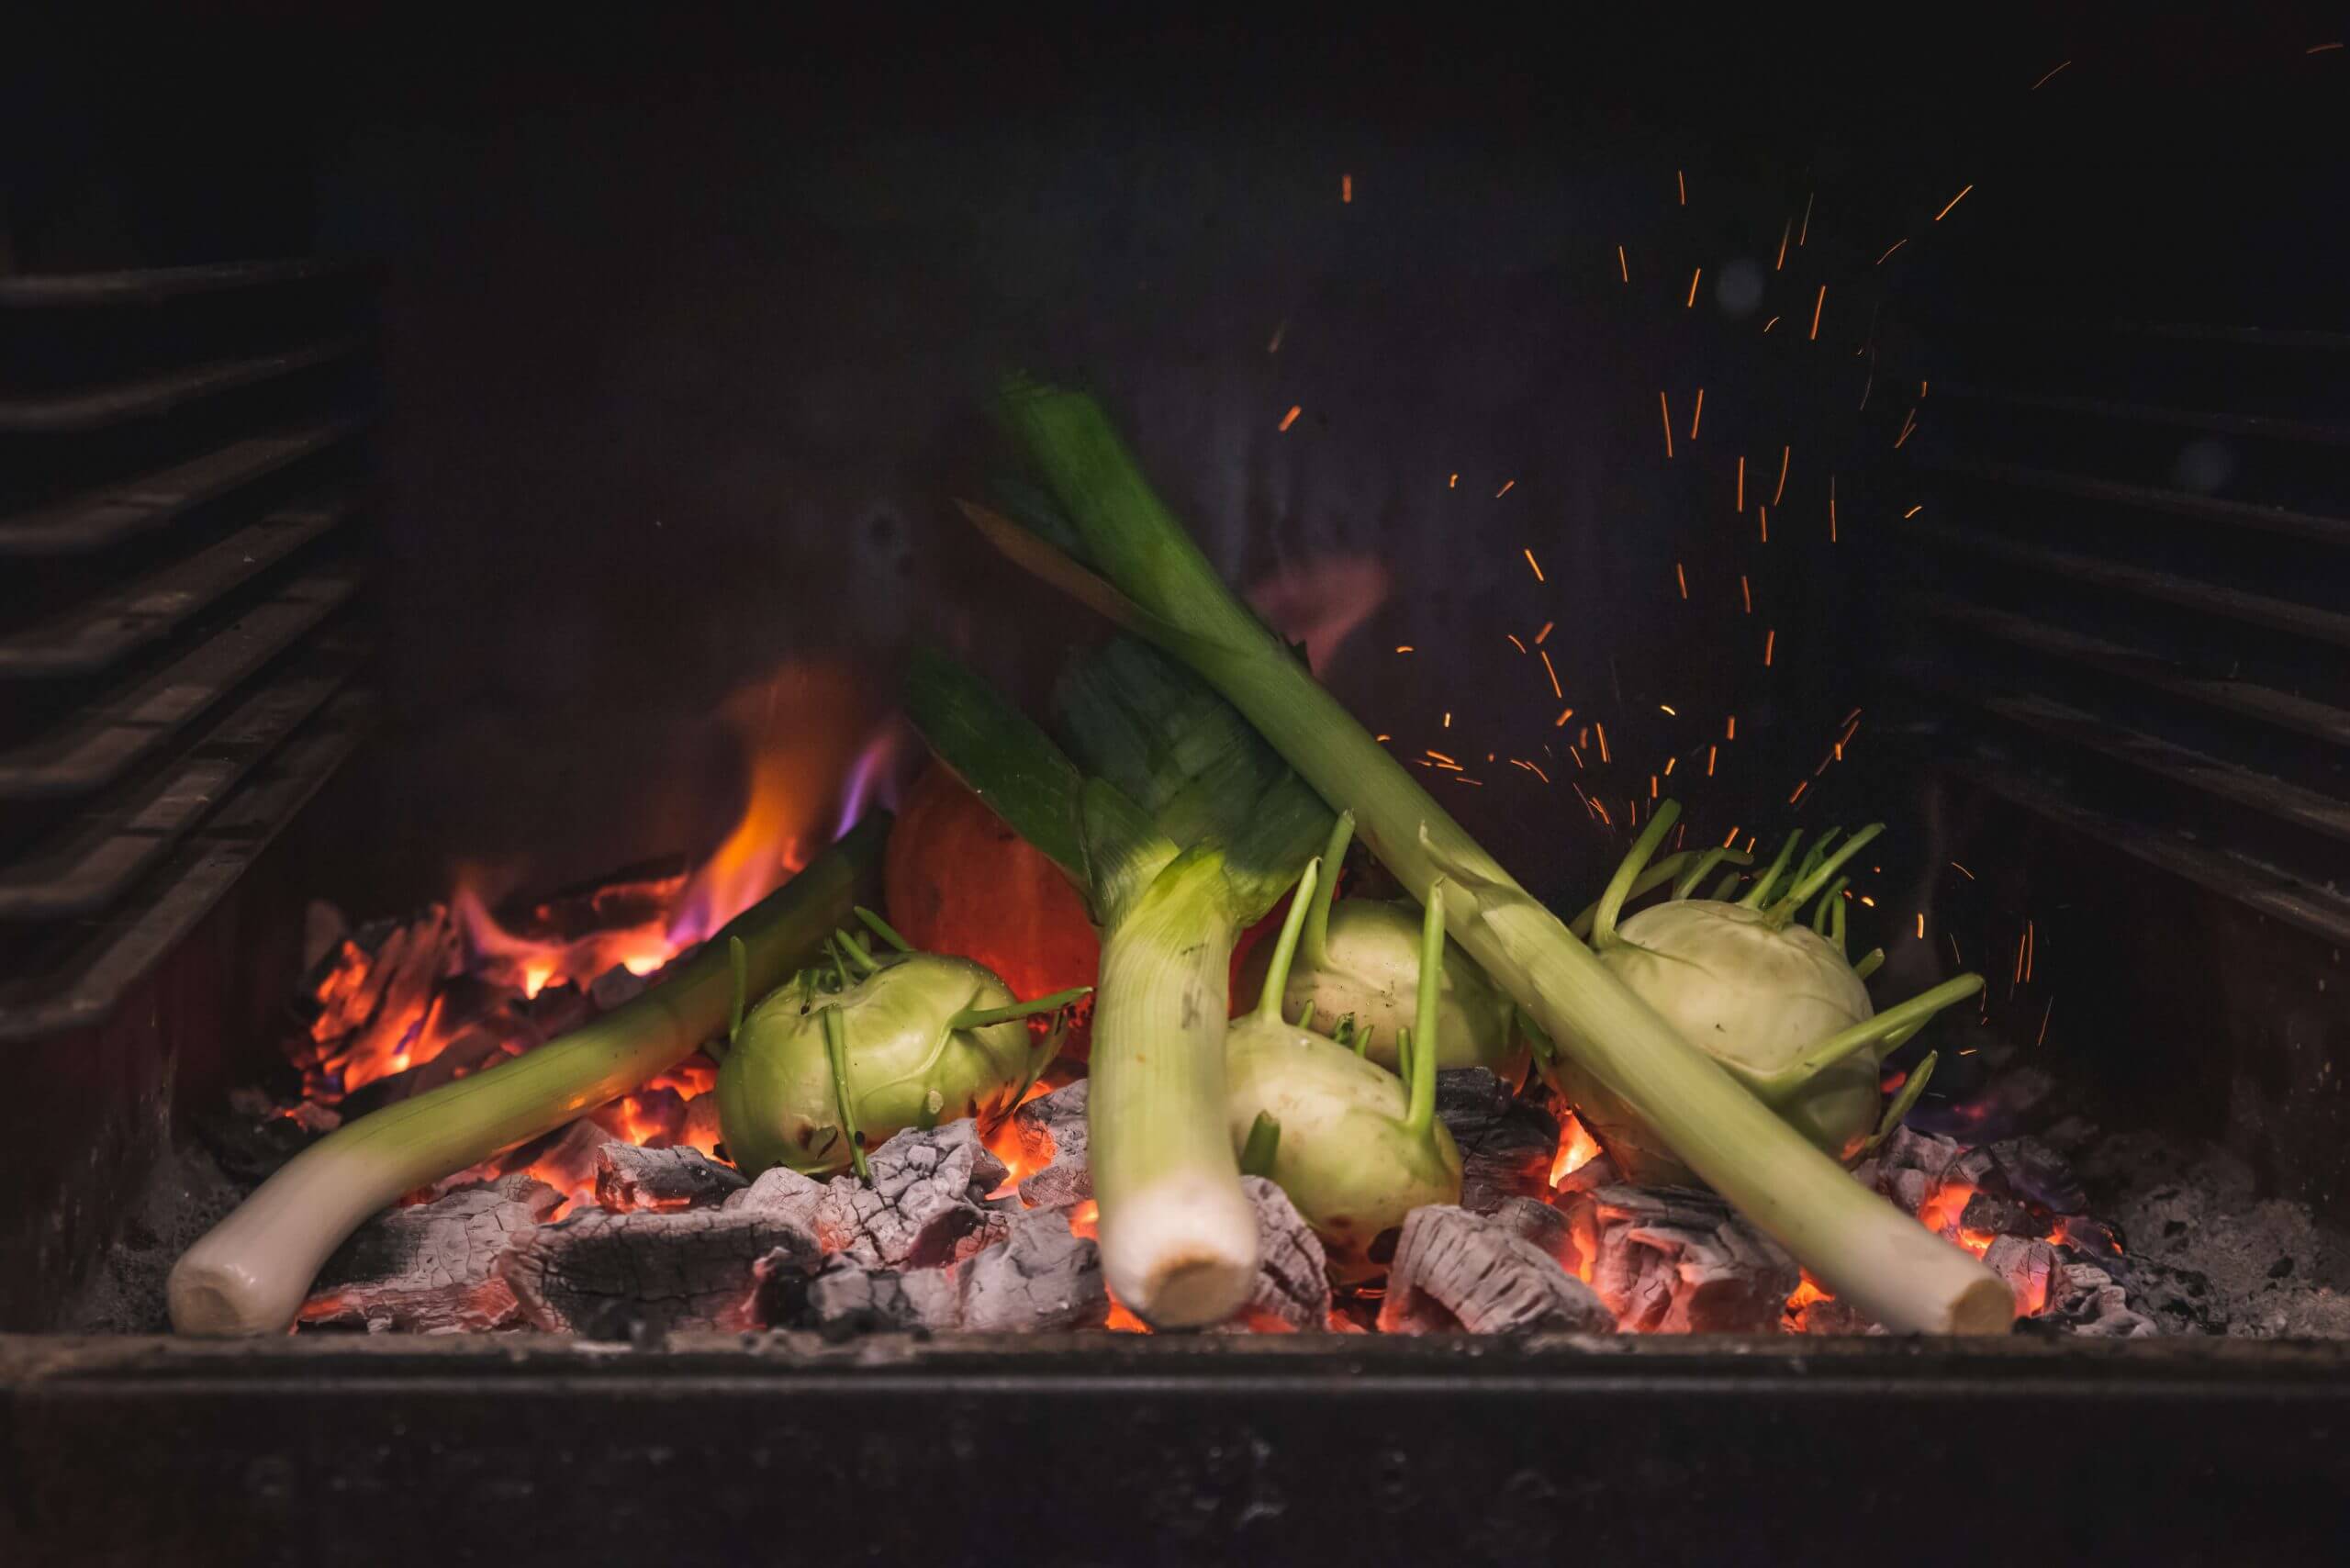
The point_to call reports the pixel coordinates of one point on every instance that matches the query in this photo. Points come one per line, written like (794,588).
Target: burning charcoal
(1042,1277)
(783,1191)
(630,1179)
(2091,1304)
(1507,1145)
(1456,1270)
(433,1268)
(1293,1289)
(2032,1269)
(926,1206)
(568,1164)
(249,1145)
(845,1298)
(2037,1173)
(1671,1260)
(1051,1134)
(1988,1215)
(1546,1227)
(1830,1317)
(616,986)
(2084,1234)
(609,1275)
(1910,1150)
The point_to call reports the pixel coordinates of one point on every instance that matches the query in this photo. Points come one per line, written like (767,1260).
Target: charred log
(433,1268)
(1671,1260)
(629,1178)
(614,1275)
(1456,1271)
(1293,1289)
(1507,1144)
(1050,1130)
(1041,1277)
(927,1205)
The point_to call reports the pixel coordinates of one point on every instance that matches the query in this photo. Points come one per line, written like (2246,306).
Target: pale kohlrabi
(1356,976)
(1769,997)
(851,1052)
(1355,1148)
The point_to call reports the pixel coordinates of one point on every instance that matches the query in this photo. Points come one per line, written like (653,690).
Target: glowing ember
(1577,1148)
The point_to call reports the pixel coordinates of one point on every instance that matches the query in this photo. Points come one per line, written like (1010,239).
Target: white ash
(629,1178)
(1455,1272)
(1671,1260)
(433,1268)
(2193,1214)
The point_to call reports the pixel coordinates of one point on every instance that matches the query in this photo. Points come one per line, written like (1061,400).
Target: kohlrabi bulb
(1348,1156)
(1771,999)
(813,1077)
(1355,1148)
(1358,964)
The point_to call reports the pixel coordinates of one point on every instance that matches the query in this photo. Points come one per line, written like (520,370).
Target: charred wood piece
(433,1268)
(1671,1260)
(926,1207)
(1455,1271)
(1292,1294)
(2092,1303)
(1042,1277)
(629,1179)
(1507,1144)
(615,1275)
(1050,1130)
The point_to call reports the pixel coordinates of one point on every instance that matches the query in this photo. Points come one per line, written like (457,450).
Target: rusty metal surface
(1112,1449)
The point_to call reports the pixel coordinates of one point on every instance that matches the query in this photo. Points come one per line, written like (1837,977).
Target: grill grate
(178,574)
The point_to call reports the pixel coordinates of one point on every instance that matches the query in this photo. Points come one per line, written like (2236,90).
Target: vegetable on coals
(250,1272)
(1358,972)
(1133,563)
(1352,1145)
(846,1055)
(1771,999)
(1180,827)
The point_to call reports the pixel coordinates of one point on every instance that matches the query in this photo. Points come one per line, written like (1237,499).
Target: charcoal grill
(658,336)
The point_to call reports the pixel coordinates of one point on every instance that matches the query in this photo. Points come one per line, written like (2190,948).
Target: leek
(1141,567)
(1180,827)
(250,1272)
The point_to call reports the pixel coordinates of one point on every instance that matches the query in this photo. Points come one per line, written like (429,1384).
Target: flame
(1085,1220)
(1005,1142)
(1577,1148)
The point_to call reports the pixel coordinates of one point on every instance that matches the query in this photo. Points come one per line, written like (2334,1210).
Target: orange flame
(1577,1148)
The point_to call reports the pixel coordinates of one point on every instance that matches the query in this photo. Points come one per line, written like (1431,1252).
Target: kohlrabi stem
(1707,862)
(1830,901)
(1648,881)
(1420,1116)
(858,955)
(1911,1087)
(1835,922)
(1317,919)
(883,929)
(1904,1020)
(1870,962)
(1619,886)
(1269,1000)
(249,1274)
(1762,888)
(1805,887)
(837,1048)
(981,1017)
(1264,1144)
(1143,571)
